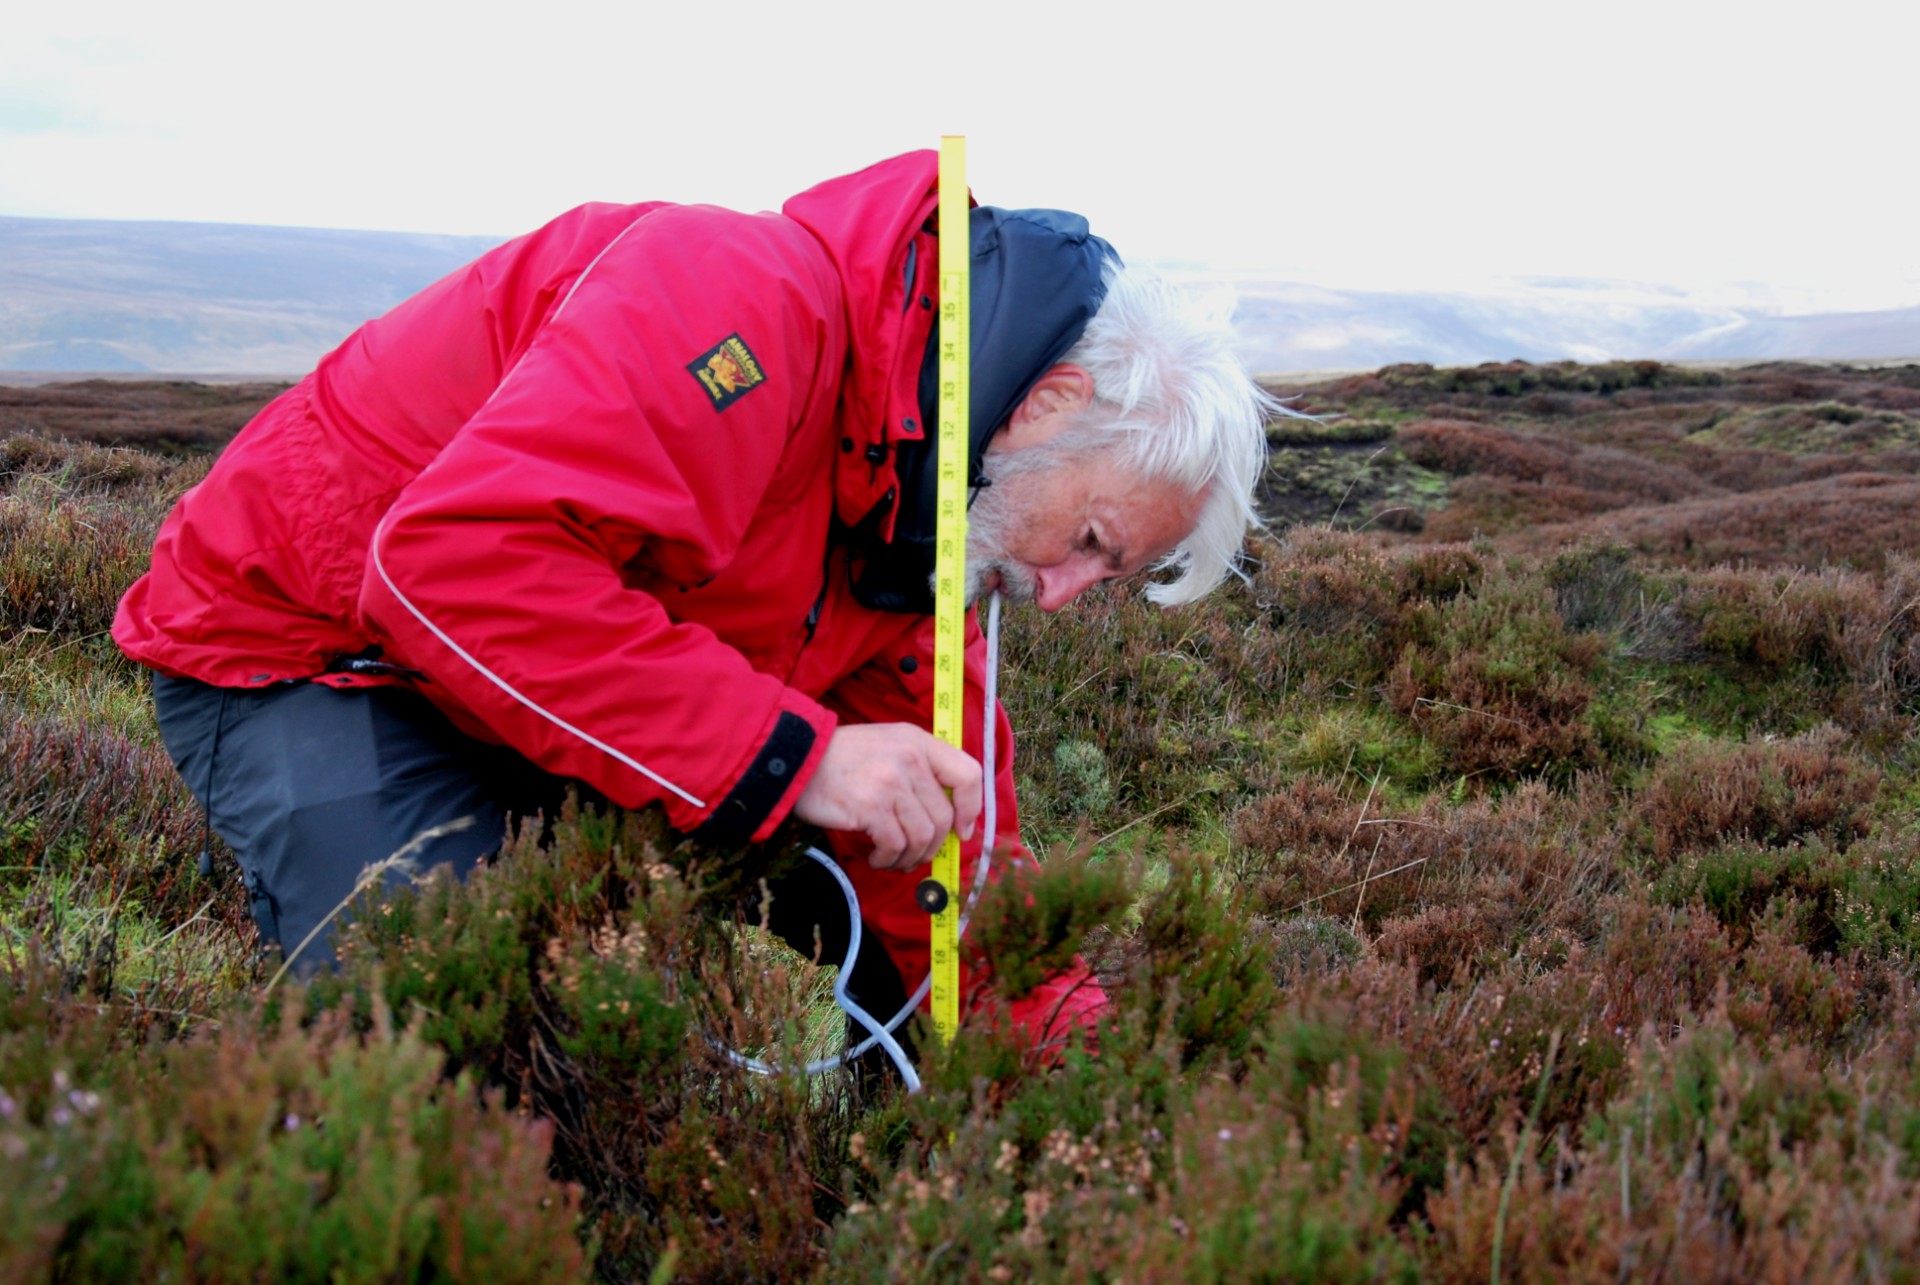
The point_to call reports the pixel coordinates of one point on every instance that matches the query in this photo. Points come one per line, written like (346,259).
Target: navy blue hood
(1038,278)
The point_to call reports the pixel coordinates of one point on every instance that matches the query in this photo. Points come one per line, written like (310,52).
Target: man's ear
(1048,407)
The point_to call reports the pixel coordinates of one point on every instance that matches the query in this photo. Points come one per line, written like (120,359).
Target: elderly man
(642,501)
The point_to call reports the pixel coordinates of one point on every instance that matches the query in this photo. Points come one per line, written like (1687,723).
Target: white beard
(997,509)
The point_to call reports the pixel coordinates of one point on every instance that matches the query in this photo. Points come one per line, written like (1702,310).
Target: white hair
(1165,377)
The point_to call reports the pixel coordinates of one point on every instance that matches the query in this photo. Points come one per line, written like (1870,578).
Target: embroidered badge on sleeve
(728,371)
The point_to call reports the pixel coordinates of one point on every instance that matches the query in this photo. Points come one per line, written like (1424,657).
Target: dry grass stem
(400,861)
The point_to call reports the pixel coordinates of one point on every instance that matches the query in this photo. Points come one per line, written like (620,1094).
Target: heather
(1512,879)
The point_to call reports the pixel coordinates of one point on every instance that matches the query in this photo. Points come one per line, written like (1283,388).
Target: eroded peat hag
(1523,881)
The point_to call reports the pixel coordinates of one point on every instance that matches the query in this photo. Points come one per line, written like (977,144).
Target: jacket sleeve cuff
(773,782)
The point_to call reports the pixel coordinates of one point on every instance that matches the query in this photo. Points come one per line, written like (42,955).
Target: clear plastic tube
(879,1033)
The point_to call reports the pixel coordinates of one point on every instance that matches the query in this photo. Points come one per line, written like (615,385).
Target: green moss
(1368,741)
(1348,485)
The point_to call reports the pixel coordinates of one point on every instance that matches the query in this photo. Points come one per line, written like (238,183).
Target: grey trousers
(309,785)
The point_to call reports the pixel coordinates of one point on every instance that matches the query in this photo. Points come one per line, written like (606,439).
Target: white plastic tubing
(877,1032)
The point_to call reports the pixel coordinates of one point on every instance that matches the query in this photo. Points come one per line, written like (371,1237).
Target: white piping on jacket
(507,687)
(380,567)
(592,263)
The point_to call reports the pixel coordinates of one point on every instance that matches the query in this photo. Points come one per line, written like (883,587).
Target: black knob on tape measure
(932,896)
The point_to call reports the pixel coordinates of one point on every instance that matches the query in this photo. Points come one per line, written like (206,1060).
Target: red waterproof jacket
(586,486)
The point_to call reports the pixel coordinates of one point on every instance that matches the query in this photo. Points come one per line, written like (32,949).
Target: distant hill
(197,298)
(1895,332)
(1290,327)
(102,296)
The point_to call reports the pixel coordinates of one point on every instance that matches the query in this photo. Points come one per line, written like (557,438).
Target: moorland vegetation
(1514,880)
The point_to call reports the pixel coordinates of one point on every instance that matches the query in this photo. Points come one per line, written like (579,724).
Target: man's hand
(889,781)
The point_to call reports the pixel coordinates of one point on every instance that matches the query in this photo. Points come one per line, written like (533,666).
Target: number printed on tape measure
(950,537)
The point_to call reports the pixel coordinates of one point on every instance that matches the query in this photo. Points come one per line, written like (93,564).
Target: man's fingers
(925,830)
(899,833)
(890,782)
(930,802)
(889,841)
(956,770)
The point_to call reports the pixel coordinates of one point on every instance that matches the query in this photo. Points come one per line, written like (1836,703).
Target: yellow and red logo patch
(728,371)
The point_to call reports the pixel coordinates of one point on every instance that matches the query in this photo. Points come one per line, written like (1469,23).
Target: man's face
(1055,523)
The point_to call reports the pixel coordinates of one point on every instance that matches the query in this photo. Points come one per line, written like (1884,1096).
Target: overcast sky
(1355,144)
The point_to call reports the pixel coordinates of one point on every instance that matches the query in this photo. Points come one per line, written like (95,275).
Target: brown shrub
(1334,605)
(1612,1213)
(1662,965)
(1855,519)
(1440,885)
(1605,589)
(1480,1047)
(1327,581)
(1768,792)
(1819,428)
(1719,1160)
(80,465)
(1458,449)
(1771,382)
(170,416)
(1308,814)
(1781,990)
(64,564)
(1402,519)
(1445,943)
(1614,477)
(1880,640)
(88,798)
(87,788)
(1308,846)
(1439,574)
(739,1200)
(1745,470)
(1492,506)
(1774,622)
(1656,432)
(1497,683)
(1779,650)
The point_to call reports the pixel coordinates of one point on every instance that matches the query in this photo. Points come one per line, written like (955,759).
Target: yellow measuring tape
(950,553)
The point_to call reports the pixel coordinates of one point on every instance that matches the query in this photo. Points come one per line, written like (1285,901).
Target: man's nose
(1060,585)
